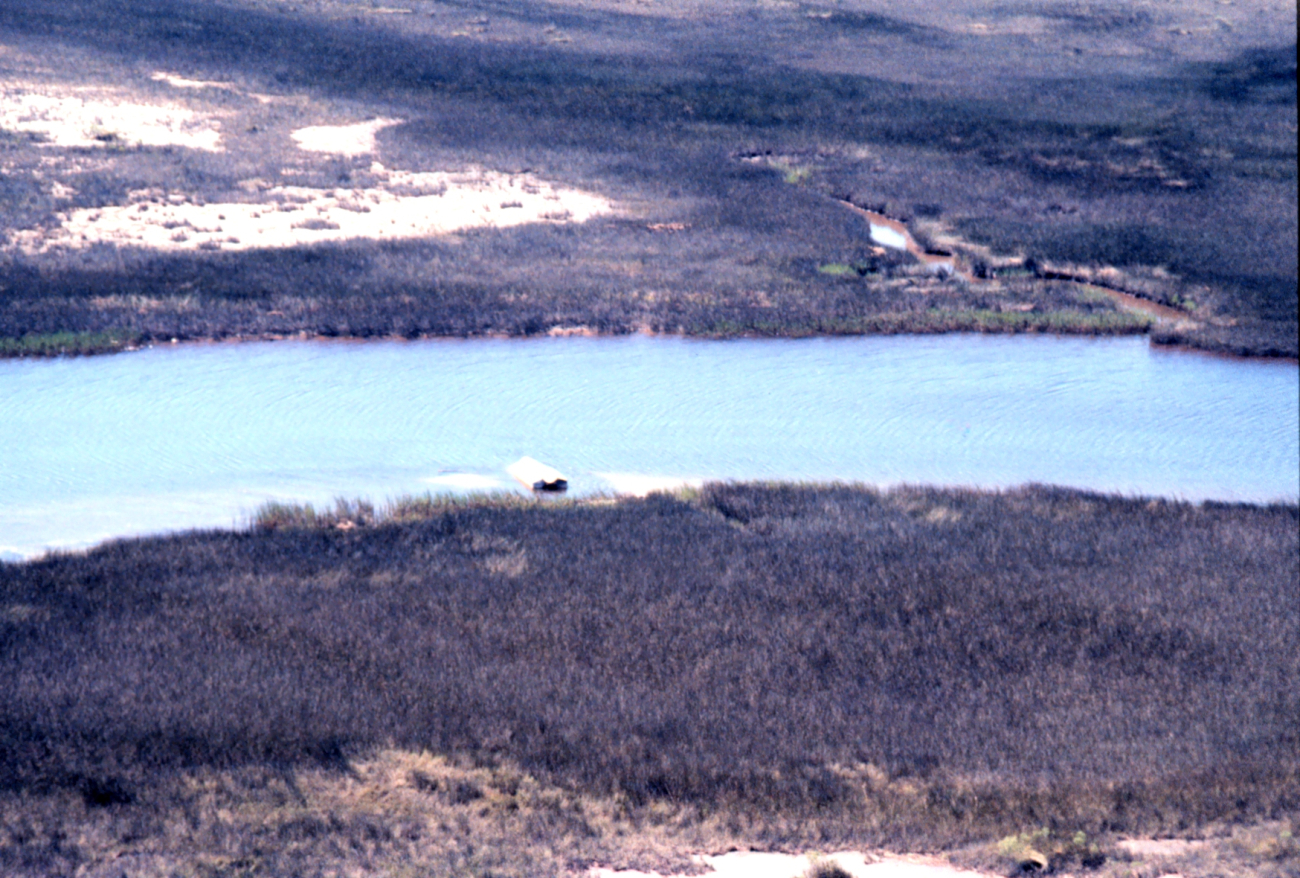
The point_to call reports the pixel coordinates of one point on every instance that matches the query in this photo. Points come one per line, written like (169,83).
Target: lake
(186,436)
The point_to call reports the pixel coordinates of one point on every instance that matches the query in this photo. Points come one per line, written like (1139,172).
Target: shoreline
(366,513)
(1134,314)
(65,344)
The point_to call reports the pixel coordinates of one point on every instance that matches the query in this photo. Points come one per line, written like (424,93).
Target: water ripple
(199,435)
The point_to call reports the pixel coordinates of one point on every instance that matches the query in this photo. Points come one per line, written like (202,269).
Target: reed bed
(745,664)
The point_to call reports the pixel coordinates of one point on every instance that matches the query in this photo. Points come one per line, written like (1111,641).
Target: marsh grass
(1065,322)
(790,665)
(771,297)
(936,320)
(63,344)
(346,513)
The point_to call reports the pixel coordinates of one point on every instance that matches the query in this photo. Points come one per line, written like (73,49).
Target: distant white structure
(537,475)
(887,237)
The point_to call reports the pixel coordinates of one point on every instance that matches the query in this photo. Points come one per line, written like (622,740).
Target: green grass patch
(798,176)
(1091,294)
(1044,848)
(66,344)
(838,269)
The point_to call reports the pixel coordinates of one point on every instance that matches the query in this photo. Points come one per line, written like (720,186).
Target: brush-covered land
(1140,145)
(517,688)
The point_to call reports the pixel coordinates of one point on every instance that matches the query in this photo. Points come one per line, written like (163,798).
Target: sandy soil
(755,864)
(465,482)
(267,208)
(90,117)
(1160,848)
(351,140)
(638,485)
(396,205)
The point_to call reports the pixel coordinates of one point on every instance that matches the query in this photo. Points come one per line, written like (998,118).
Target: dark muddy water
(201,435)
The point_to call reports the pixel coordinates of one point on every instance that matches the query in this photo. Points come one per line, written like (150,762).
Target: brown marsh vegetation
(513,688)
(1148,146)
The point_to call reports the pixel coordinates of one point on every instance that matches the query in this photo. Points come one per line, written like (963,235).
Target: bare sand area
(855,864)
(396,205)
(75,115)
(349,140)
(380,204)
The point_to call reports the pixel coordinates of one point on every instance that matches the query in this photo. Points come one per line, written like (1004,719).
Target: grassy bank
(936,320)
(770,665)
(62,344)
(895,298)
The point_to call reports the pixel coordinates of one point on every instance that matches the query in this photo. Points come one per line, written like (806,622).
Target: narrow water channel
(200,435)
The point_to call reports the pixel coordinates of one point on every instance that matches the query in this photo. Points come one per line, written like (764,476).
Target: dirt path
(1124,301)
(900,229)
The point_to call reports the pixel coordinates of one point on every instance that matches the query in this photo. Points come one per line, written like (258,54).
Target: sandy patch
(177,81)
(350,140)
(90,117)
(1157,848)
(398,205)
(465,482)
(753,864)
(636,485)
(1019,25)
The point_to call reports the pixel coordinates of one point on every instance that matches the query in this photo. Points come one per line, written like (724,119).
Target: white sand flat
(349,140)
(465,482)
(400,205)
(92,117)
(638,485)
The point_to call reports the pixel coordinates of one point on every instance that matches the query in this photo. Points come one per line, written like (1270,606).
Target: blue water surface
(200,435)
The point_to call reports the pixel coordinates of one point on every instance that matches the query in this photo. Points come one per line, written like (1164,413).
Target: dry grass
(395,812)
(400,812)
